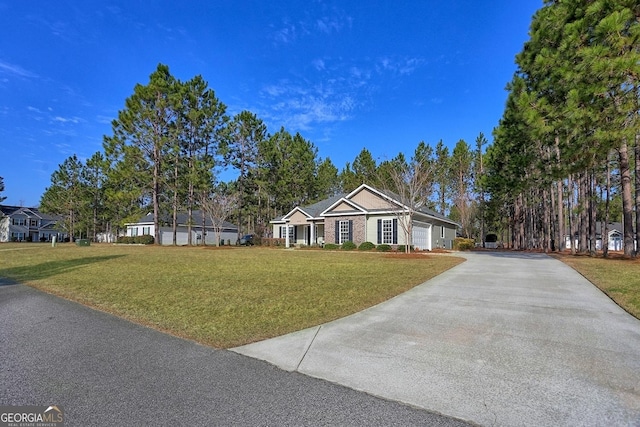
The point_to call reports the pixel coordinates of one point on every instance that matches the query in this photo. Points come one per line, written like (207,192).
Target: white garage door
(422,237)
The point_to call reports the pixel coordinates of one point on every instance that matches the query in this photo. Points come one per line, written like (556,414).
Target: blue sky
(347,75)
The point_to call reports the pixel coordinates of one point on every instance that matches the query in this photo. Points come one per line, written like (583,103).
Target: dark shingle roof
(317,208)
(183,218)
(423,209)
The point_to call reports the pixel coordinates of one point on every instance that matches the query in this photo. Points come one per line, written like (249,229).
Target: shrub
(461,244)
(271,242)
(331,246)
(348,246)
(383,248)
(366,246)
(145,240)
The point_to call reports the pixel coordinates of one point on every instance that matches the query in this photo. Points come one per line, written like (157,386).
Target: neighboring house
(145,227)
(19,224)
(364,215)
(616,239)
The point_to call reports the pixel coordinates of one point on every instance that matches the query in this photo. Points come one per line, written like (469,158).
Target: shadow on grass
(12,276)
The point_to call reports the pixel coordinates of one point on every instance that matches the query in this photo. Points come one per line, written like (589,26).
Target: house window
(146,231)
(17,236)
(388,231)
(19,221)
(33,223)
(344,232)
(292,231)
(134,231)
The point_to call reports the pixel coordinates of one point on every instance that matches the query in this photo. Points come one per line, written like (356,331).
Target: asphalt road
(105,371)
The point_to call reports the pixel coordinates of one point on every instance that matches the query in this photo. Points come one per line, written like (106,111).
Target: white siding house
(144,226)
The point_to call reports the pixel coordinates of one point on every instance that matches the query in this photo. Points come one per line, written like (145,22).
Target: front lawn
(618,278)
(220,297)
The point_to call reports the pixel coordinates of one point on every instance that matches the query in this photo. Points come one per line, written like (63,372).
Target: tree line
(566,154)
(173,138)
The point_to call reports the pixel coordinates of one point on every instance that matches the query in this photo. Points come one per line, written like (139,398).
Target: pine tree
(148,123)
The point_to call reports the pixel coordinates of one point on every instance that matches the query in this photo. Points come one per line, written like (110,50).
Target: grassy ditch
(617,277)
(219,297)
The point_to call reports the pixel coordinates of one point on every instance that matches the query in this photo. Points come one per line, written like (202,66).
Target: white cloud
(104,119)
(328,25)
(303,106)
(74,120)
(318,64)
(399,66)
(286,34)
(16,70)
(333,22)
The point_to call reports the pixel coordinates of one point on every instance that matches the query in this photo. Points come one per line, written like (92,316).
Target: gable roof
(312,211)
(29,212)
(353,208)
(392,204)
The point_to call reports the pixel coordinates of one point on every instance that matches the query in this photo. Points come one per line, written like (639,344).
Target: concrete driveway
(503,339)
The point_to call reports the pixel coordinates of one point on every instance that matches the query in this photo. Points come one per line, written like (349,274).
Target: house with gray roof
(20,224)
(365,215)
(615,237)
(202,229)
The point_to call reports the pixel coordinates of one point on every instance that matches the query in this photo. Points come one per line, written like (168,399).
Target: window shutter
(295,233)
(280,232)
(395,231)
(351,230)
(337,233)
(379,231)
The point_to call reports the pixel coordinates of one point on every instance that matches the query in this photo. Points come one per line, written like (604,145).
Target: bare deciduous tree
(219,206)
(411,183)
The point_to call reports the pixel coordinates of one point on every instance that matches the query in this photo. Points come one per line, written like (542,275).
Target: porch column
(286,238)
(312,233)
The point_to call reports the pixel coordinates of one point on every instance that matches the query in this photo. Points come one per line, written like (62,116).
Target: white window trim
(344,231)
(291,232)
(387,231)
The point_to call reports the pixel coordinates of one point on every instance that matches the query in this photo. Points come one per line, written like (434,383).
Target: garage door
(422,237)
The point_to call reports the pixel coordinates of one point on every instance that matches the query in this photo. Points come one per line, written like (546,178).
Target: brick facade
(358,230)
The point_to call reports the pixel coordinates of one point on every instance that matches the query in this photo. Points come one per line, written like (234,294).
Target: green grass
(618,278)
(219,297)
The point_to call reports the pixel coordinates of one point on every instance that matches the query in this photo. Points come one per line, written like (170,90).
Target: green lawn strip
(219,297)
(618,278)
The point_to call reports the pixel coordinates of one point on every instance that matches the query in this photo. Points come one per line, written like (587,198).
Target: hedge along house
(364,215)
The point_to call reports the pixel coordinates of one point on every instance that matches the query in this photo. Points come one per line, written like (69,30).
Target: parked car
(247,240)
